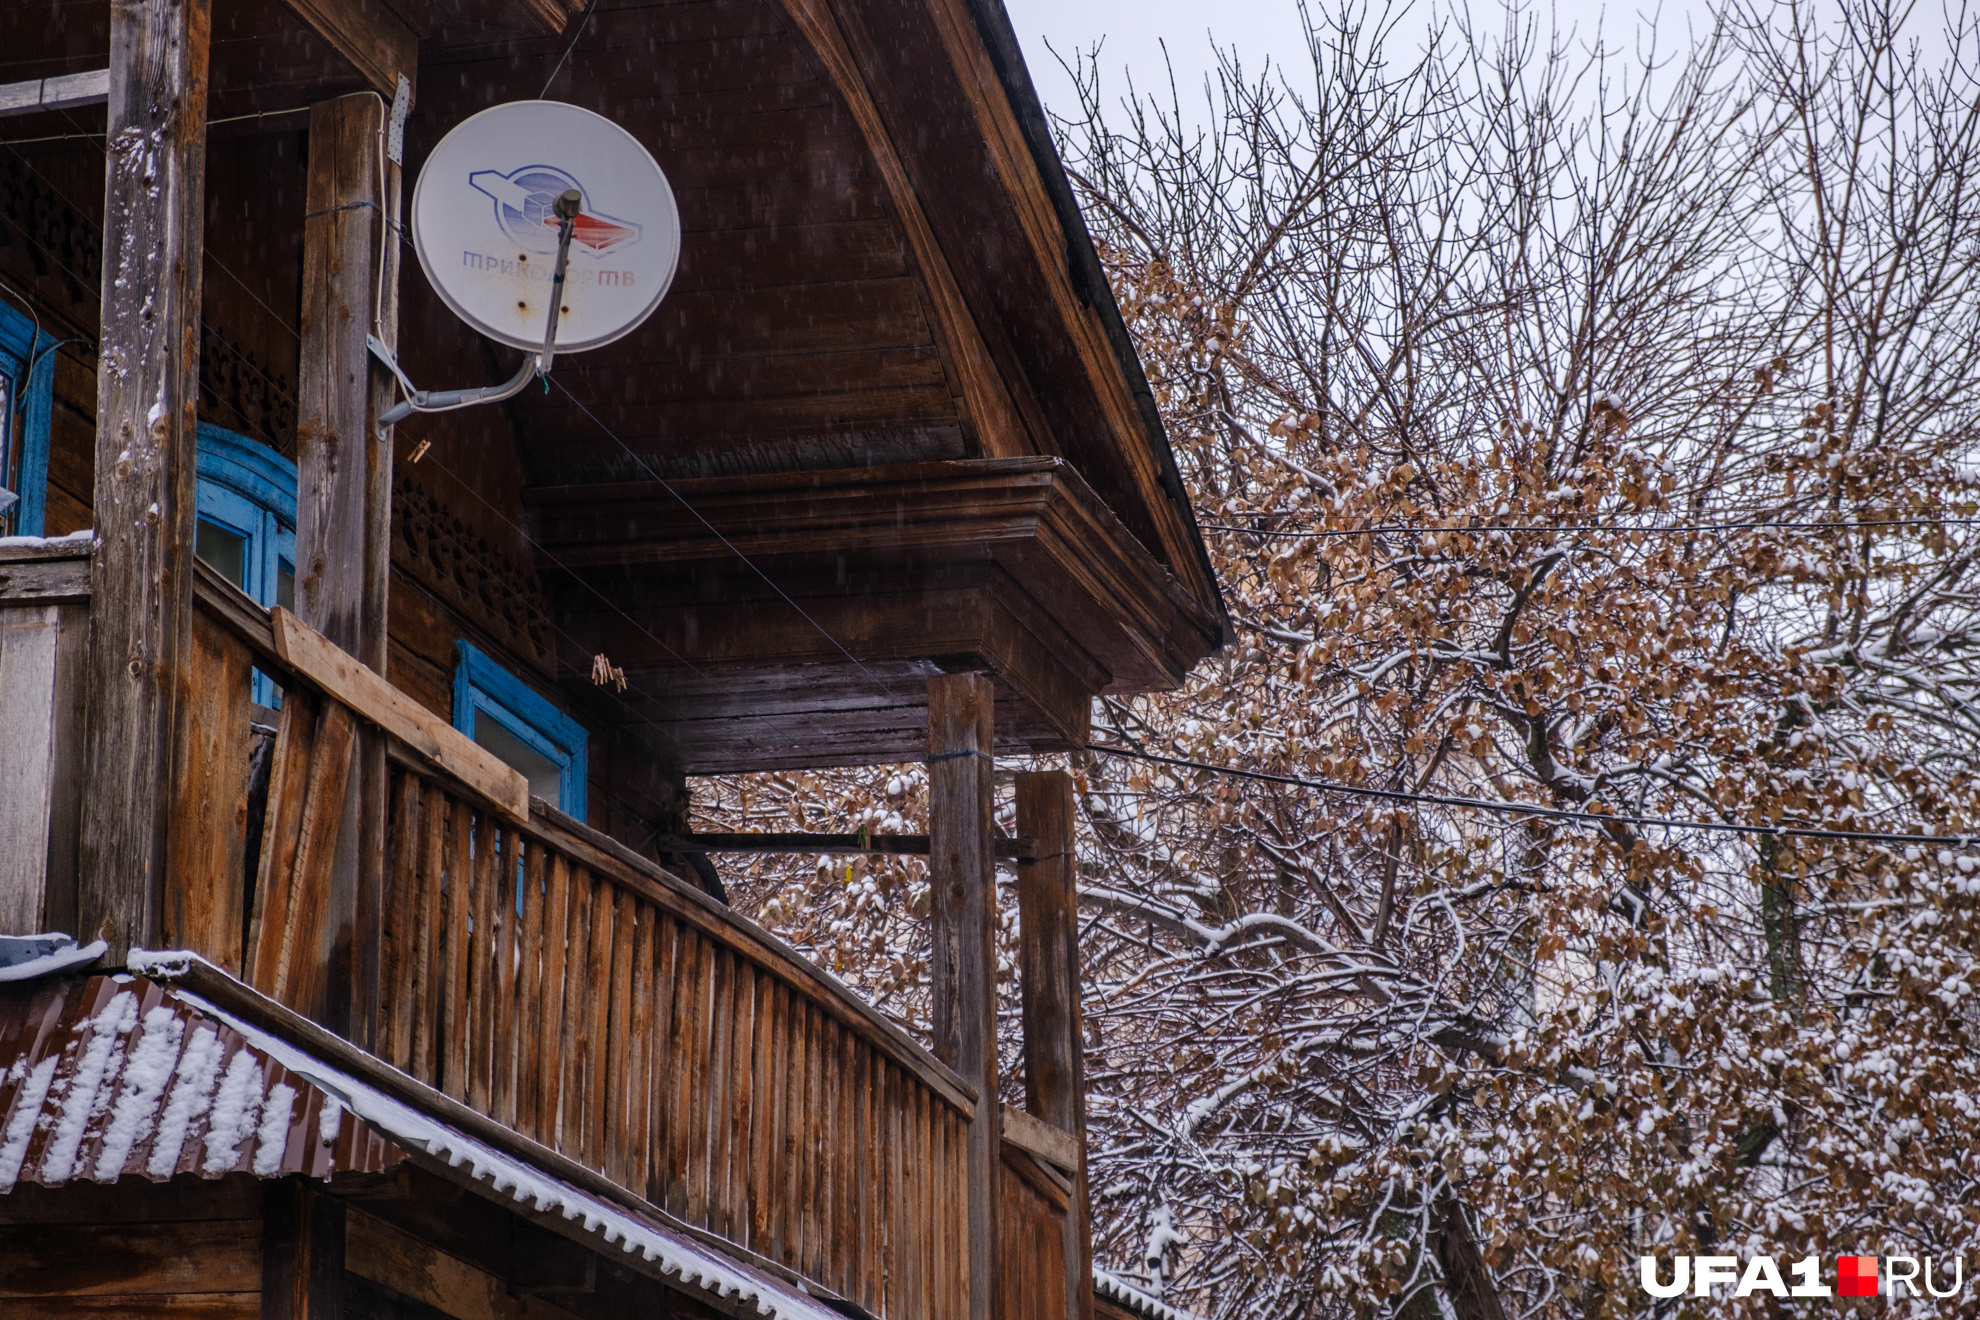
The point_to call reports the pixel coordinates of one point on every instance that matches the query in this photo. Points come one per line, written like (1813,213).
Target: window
(246,503)
(27,392)
(492,707)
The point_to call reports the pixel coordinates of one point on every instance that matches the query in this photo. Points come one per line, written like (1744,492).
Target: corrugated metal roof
(1117,1289)
(124,1075)
(118,1076)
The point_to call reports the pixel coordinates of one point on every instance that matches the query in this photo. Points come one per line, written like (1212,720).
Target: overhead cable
(1548,813)
(1475,529)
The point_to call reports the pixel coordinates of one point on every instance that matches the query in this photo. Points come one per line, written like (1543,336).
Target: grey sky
(1135,32)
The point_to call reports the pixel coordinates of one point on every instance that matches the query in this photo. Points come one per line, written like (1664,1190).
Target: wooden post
(963,969)
(302,1252)
(1048,962)
(147,390)
(344,497)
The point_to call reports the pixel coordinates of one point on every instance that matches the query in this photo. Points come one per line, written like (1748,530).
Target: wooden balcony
(609,1017)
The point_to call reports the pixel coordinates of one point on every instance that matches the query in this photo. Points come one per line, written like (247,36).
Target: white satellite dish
(485,226)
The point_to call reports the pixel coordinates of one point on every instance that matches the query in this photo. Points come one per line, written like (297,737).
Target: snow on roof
(121,1076)
(676,1254)
(1117,1289)
(116,1076)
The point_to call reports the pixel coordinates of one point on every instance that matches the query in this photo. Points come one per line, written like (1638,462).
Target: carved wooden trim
(457,564)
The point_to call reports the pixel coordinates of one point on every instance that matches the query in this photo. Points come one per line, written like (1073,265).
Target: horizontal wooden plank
(1054,1145)
(197,1255)
(375,40)
(236,1196)
(339,674)
(907,845)
(31,575)
(375,1250)
(151,1306)
(238,612)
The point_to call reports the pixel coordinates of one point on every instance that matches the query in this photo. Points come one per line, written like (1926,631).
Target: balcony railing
(530,968)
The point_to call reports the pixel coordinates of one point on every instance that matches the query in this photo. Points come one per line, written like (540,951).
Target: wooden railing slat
(620,1036)
(460,899)
(430,967)
(357,688)
(598,989)
(586,998)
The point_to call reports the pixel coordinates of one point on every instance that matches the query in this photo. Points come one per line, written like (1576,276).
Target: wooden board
(370,35)
(188,1256)
(377,1251)
(963,968)
(371,697)
(29,646)
(206,878)
(141,577)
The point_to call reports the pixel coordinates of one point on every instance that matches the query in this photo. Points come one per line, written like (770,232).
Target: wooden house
(382,735)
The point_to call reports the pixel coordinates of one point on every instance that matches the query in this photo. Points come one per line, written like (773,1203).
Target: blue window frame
(246,506)
(493,707)
(27,395)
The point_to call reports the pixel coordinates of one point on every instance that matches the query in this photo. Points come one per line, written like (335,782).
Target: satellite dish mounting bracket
(536,364)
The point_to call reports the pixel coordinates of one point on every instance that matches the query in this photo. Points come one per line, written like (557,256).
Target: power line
(667,486)
(1549,813)
(1418,529)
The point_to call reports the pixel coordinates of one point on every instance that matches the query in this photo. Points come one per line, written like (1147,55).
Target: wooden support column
(302,1251)
(963,969)
(1048,963)
(344,499)
(147,390)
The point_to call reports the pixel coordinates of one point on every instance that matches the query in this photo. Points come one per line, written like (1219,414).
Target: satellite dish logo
(524,202)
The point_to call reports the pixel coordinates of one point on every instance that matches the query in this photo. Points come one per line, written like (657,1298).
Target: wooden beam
(1047,1141)
(904,845)
(375,40)
(147,396)
(302,1252)
(312,656)
(344,488)
(68,91)
(963,970)
(1048,966)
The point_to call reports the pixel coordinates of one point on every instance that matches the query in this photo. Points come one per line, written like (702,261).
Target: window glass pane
(545,776)
(285,585)
(226,551)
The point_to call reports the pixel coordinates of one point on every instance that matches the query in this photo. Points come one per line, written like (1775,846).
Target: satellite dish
(486,225)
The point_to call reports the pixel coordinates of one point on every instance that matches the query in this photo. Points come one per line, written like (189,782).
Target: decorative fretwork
(60,240)
(242,393)
(237,389)
(457,563)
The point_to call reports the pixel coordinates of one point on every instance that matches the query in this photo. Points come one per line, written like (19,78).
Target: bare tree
(1573,432)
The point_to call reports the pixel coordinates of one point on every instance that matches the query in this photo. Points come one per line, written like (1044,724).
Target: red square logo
(1856,1276)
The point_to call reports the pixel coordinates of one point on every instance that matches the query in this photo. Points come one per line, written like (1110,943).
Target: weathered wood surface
(563,989)
(904,845)
(369,34)
(963,968)
(307,798)
(131,1260)
(355,685)
(302,1252)
(1033,1209)
(615,1021)
(206,874)
(147,394)
(1054,1035)
(51,574)
(42,651)
(1049,1142)
(343,514)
